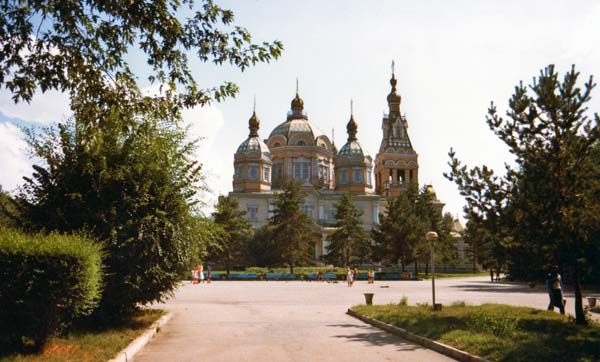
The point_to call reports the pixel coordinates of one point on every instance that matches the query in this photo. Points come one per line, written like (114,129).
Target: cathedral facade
(297,150)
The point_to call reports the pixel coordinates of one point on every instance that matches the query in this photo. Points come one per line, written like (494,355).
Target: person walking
(208,274)
(201,273)
(554,285)
(370,276)
(349,276)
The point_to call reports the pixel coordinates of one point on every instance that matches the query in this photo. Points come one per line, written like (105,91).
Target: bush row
(47,280)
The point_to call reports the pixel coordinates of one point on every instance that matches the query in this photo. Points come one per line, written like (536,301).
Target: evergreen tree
(292,228)
(350,243)
(261,250)
(400,229)
(547,209)
(235,233)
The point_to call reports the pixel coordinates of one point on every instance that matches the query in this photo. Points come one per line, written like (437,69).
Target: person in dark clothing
(555,287)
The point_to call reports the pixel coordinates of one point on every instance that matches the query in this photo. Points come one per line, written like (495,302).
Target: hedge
(47,281)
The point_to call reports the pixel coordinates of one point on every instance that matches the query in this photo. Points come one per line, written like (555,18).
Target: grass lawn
(97,345)
(497,332)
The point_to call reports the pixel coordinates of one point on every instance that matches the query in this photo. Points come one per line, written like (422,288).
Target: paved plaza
(306,321)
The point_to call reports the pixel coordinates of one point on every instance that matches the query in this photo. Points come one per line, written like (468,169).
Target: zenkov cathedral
(297,150)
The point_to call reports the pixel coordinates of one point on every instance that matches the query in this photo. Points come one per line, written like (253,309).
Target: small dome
(254,145)
(297,103)
(430,190)
(352,149)
(393,97)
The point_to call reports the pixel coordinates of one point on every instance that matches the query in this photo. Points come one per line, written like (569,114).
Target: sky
(451,60)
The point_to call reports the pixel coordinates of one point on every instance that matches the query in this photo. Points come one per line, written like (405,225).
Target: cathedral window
(277,172)
(301,143)
(307,209)
(238,172)
(301,169)
(324,173)
(266,174)
(253,172)
(368,177)
(252,213)
(357,175)
(343,176)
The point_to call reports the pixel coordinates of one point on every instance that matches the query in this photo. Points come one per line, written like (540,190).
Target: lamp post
(432,236)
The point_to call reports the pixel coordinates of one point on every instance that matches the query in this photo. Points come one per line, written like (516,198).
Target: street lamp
(432,236)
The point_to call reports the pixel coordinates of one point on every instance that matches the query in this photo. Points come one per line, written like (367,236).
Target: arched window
(276,144)
(301,143)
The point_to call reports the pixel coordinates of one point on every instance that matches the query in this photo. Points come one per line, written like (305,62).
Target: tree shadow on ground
(374,336)
(502,287)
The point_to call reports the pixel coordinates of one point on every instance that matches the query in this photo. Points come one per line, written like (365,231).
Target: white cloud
(48,107)
(14,160)
(205,124)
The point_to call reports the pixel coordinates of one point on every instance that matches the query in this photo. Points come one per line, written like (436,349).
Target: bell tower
(396,163)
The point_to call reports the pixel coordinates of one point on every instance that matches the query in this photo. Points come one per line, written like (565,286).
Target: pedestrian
(194,276)
(554,285)
(349,276)
(201,273)
(208,274)
(370,276)
(355,272)
(320,276)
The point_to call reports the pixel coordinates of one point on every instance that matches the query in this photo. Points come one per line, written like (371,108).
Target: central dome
(294,126)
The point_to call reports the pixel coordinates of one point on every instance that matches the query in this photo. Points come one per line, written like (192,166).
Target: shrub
(47,280)
(403,301)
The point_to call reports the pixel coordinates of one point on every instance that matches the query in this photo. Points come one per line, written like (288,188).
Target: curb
(425,342)
(137,344)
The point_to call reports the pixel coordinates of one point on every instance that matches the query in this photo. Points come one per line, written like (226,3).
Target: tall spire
(297,102)
(254,122)
(351,127)
(393,98)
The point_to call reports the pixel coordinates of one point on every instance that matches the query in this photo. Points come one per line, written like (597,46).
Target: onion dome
(253,145)
(352,148)
(253,125)
(393,97)
(297,103)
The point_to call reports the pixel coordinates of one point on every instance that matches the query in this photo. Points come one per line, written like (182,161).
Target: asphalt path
(306,321)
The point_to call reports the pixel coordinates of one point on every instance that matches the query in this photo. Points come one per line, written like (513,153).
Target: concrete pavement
(306,321)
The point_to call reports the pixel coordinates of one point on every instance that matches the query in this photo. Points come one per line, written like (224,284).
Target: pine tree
(235,233)
(401,228)
(350,243)
(292,228)
(546,210)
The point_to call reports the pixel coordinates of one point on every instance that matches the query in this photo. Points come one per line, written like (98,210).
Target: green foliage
(401,232)
(403,301)
(262,249)
(47,281)
(235,233)
(350,243)
(496,332)
(546,210)
(292,228)
(81,47)
(8,215)
(131,188)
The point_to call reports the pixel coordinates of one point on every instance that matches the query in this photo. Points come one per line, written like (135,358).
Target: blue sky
(452,59)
